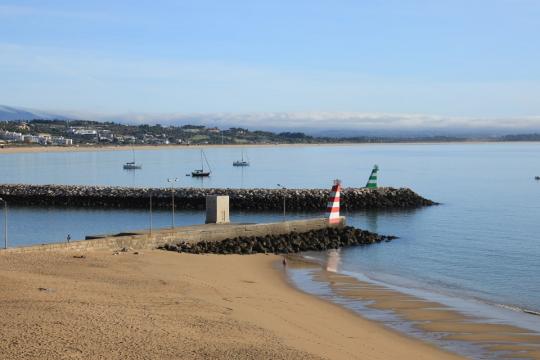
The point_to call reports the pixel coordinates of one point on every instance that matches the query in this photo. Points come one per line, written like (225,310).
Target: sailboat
(200,172)
(241,162)
(132,165)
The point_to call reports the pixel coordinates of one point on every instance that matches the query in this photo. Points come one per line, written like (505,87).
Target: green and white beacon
(372,182)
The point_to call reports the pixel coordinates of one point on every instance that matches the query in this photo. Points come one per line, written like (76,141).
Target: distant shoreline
(84,148)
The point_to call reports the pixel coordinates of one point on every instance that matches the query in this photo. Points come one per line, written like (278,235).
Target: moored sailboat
(132,165)
(241,162)
(201,172)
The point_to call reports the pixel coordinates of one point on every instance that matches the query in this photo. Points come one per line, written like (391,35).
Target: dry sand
(10,149)
(90,148)
(82,148)
(164,305)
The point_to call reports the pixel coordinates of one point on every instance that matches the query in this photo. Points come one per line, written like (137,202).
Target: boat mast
(207,163)
(202,163)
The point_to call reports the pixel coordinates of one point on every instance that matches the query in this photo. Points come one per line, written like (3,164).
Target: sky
(445,59)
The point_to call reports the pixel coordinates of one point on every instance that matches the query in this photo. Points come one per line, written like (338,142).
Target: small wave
(518,309)
(417,289)
(460,302)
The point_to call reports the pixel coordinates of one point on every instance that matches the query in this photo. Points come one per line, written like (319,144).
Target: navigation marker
(332,208)
(372,182)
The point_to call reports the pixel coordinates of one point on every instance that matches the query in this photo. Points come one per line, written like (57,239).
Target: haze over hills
(19,113)
(332,124)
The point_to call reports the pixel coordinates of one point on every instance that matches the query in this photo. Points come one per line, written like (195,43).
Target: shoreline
(159,304)
(98,148)
(478,330)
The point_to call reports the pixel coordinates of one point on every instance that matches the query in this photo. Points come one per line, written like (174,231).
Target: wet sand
(495,339)
(164,305)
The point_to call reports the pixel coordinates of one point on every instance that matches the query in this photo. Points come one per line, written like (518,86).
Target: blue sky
(446,58)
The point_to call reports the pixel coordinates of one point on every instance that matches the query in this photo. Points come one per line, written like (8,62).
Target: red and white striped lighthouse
(332,208)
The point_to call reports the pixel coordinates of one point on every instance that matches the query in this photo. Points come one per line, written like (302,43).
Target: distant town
(93,133)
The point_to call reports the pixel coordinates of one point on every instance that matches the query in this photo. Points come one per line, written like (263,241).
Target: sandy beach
(163,305)
(87,148)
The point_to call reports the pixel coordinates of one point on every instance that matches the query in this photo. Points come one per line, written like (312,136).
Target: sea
(481,244)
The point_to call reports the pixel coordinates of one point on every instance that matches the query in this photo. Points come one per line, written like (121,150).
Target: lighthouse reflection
(333,259)
(372,220)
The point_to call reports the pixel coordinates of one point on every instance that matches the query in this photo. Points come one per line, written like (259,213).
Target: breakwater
(193,234)
(293,242)
(194,198)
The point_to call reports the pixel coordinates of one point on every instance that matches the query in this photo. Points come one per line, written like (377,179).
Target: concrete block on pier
(217,209)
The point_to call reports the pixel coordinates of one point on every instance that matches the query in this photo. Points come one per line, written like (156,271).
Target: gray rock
(324,239)
(194,198)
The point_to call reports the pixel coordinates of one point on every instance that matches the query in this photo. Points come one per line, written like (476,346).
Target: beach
(162,305)
(91,148)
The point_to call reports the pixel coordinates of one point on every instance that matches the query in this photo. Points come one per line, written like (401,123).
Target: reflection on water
(371,220)
(332,260)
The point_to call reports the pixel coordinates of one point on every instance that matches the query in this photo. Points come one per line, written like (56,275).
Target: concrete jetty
(144,240)
(195,198)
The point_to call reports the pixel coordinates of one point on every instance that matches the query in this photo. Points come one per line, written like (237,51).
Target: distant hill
(17,113)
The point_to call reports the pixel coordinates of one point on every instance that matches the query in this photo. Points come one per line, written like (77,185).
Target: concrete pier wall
(141,240)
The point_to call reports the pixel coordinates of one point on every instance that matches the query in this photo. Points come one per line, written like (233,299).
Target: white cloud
(337,121)
(356,123)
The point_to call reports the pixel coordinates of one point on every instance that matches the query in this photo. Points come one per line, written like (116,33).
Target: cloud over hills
(343,123)
(319,123)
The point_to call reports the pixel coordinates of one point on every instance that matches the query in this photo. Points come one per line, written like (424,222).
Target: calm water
(483,242)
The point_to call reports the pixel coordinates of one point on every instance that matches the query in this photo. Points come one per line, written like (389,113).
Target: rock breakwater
(314,240)
(194,198)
